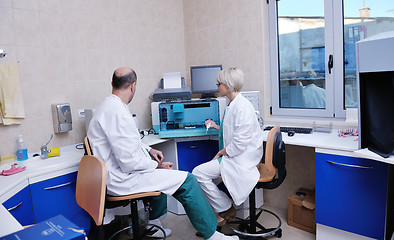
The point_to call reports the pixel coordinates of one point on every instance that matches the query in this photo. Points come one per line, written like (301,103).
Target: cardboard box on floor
(301,210)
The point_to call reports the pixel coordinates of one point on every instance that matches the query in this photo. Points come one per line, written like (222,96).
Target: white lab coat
(314,96)
(243,141)
(114,137)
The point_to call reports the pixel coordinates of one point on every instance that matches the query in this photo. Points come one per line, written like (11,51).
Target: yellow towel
(11,101)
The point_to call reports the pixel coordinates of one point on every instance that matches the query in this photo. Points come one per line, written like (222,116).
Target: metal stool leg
(135,224)
(250,228)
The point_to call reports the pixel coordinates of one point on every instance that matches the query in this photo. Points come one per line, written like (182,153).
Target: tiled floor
(183,230)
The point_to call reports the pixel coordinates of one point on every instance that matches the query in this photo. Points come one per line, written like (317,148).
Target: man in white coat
(314,96)
(114,138)
(241,150)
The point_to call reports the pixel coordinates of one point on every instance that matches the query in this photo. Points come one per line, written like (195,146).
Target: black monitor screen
(203,79)
(377,112)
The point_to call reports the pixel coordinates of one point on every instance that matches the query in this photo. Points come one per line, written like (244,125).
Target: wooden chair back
(91,187)
(273,170)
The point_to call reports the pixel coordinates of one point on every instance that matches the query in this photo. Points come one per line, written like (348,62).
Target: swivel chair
(91,195)
(272,174)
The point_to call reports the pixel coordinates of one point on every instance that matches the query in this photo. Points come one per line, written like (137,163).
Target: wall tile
(249,33)
(249,9)
(96,63)
(50,6)
(76,67)
(27,28)
(6,3)
(26,4)
(56,59)
(52,25)
(230,35)
(229,10)
(31,67)
(7,30)
(209,13)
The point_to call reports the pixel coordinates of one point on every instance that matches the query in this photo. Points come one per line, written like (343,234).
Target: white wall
(68,49)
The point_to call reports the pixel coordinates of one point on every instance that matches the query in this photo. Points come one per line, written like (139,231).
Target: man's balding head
(123,77)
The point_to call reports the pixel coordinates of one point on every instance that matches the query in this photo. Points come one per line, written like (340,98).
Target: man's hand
(157,155)
(165,165)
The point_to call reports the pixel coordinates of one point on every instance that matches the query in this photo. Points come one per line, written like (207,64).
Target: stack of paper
(172,80)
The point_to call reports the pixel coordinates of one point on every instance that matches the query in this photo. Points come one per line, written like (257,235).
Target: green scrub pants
(195,204)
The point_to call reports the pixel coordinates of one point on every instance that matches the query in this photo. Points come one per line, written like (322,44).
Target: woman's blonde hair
(233,78)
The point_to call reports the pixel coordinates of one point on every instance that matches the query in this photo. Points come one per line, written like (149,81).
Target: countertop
(332,143)
(38,169)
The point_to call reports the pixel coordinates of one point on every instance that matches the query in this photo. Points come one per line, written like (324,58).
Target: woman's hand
(165,165)
(220,154)
(157,155)
(213,124)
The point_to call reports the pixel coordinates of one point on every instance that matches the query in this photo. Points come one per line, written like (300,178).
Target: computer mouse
(290,133)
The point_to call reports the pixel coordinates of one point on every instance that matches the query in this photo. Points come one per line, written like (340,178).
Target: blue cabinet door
(20,207)
(351,194)
(193,153)
(57,196)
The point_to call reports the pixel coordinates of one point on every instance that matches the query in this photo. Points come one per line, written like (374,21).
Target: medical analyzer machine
(186,118)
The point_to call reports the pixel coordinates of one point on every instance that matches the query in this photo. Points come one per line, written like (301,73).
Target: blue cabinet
(20,207)
(193,153)
(351,194)
(57,196)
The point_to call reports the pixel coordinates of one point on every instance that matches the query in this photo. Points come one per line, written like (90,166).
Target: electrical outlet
(81,113)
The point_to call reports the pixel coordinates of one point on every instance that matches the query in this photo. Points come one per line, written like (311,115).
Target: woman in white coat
(241,149)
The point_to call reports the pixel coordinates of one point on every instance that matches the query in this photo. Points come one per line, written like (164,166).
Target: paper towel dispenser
(61,114)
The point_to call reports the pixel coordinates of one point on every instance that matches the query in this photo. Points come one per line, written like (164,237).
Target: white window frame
(333,16)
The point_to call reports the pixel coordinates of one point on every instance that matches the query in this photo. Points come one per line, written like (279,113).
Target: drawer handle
(61,185)
(12,208)
(193,147)
(350,165)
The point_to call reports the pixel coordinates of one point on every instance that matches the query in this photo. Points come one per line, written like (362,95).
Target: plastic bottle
(136,122)
(21,151)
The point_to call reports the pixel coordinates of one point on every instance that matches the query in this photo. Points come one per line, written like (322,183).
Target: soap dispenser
(21,151)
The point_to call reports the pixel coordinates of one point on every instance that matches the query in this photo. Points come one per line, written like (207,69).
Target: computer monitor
(375,78)
(376,112)
(203,79)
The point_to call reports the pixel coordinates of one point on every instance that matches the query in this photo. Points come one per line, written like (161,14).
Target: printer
(186,118)
(182,93)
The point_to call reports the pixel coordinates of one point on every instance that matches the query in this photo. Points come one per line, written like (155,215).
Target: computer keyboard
(295,129)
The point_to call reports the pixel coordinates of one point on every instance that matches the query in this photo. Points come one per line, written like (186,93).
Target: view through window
(316,41)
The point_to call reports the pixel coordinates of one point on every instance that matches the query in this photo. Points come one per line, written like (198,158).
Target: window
(313,54)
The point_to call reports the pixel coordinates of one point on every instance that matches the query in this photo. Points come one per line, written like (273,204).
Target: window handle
(330,63)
